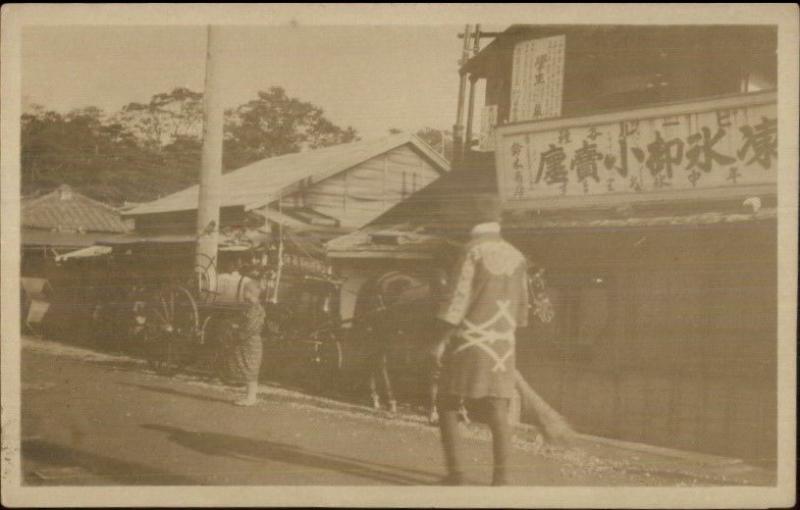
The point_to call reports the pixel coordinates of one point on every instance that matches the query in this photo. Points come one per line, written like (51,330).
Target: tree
(165,117)
(274,124)
(148,150)
(98,157)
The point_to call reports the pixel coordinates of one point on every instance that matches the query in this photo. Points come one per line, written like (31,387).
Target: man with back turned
(487,301)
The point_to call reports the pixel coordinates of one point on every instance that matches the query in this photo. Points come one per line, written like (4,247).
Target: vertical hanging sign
(537,79)
(488,123)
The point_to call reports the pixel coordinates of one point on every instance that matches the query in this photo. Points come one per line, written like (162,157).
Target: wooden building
(59,231)
(306,198)
(344,186)
(640,169)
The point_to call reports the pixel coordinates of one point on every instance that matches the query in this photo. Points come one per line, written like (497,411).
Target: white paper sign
(537,79)
(488,123)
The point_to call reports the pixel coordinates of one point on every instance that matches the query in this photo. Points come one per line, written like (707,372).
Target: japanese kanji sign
(537,78)
(689,146)
(488,123)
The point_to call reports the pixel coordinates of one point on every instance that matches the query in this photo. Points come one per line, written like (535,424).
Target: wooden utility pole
(458,128)
(211,163)
(473,80)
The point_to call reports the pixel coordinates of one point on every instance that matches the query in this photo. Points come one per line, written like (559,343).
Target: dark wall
(612,68)
(662,336)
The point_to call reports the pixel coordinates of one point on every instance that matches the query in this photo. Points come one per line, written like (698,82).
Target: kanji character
(519,187)
(516,150)
(702,153)
(628,127)
(661,181)
(662,155)
(694,176)
(551,165)
(733,174)
(610,160)
(563,136)
(670,121)
(723,118)
(762,140)
(585,162)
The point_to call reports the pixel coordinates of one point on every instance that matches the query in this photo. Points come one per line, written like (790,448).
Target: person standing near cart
(247,352)
(487,301)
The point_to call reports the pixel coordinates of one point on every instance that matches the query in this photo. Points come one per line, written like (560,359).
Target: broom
(554,427)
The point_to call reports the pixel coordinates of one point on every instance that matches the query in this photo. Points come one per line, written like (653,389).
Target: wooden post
(476,48)
(470,113)
(211,164)
(458,128)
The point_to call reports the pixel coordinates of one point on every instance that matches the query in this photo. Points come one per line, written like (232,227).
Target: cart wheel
(177,312)
(175,323)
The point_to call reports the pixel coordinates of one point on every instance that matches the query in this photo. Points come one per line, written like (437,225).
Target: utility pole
(211,164)
(458,128)
(471,101)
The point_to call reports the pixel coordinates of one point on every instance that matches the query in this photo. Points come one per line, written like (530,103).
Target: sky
(370,77)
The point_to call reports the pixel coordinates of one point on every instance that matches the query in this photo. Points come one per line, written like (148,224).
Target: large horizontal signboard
(721,143)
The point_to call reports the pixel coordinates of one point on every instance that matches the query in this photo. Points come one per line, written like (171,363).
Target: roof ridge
(352,153)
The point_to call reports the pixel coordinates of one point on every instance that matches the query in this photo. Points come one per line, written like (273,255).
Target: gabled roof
(65,210)
(265,181)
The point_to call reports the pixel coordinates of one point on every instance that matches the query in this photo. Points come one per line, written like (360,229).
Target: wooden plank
(610,200)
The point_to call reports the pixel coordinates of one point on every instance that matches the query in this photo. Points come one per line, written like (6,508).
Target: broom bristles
(553,425)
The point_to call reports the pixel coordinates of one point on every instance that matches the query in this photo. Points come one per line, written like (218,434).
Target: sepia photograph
(361,255)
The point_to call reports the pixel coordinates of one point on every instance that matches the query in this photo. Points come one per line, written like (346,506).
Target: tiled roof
(64,210)
(265,181)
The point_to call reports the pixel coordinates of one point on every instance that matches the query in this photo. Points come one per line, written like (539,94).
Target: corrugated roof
(265,181)
(65,210)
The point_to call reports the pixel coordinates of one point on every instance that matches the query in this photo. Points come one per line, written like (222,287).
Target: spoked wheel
(205,274)
(174,324)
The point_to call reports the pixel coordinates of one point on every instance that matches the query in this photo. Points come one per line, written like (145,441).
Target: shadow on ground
(258,450)
(45,455)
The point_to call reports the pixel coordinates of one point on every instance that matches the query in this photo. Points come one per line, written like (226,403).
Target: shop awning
(90,251)
(64,240)
(705,218)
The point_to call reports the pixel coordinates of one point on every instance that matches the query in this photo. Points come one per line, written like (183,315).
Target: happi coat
(487,302)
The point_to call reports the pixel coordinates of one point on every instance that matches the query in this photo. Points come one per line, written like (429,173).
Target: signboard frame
(649,112)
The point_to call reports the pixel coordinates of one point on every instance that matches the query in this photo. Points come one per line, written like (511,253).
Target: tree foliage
(273,124)
(147,150)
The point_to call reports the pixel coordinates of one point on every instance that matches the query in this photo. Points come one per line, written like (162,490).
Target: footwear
(245,402)
(393,407)
(376,403)
(433,418)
